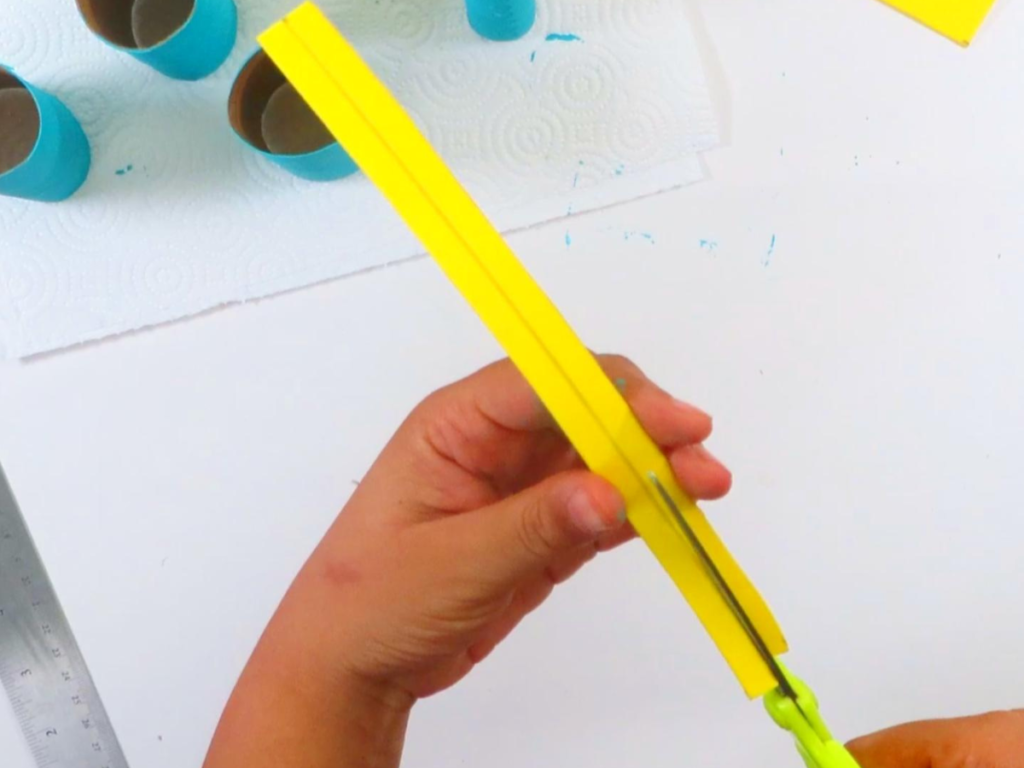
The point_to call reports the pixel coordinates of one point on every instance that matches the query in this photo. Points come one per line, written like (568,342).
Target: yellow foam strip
(958,20)
(379,135)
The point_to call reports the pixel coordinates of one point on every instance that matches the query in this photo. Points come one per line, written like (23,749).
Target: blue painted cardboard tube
(183,39)
(501,19)
(257,83)
(59,158)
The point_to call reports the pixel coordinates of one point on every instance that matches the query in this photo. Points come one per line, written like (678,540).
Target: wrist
(308,645)
(290,710)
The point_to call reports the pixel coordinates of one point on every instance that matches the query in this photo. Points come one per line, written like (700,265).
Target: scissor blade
(726,591)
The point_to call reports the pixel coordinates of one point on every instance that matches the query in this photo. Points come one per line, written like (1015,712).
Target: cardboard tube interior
(138,23)
(110,19)
(265,110)
(19,122)
(153,21)
(290,127)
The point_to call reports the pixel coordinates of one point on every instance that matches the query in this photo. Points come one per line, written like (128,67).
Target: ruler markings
(54,698)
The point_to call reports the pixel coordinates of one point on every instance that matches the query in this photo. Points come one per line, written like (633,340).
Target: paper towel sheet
(604,101)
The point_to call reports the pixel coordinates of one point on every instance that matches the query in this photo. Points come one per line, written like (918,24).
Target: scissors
(792,705)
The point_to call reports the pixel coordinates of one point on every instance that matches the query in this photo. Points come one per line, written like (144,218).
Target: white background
(866,385)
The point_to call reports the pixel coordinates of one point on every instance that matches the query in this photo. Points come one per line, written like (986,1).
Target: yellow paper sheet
(375,130)
(958,20)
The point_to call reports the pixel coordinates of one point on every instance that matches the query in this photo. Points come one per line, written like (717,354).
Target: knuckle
(429,407)
(536,533)
(616,361)
(620,365)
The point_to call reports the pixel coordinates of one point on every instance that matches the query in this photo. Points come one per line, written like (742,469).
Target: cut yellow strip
(380,136)
(958,20)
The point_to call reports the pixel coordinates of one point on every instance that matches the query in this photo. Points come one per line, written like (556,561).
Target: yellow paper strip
(958,20)
(379,135)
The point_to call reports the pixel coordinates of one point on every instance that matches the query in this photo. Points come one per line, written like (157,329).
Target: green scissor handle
(801,718)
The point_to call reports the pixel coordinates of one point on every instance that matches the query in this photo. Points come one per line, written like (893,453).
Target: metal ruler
(41,667)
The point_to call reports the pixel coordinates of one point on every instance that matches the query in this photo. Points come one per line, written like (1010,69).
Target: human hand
(474,511)
(994,740)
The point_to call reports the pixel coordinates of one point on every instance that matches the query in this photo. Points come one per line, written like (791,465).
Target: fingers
(994,740)
(610,541)
(700,474)
(668,421)
(520,537)
(501,396)
(492,426)
(906,746)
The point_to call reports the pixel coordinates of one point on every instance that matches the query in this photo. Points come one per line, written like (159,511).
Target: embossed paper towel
(603,101)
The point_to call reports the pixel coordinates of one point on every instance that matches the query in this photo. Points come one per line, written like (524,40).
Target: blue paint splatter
(767,260)
(629,234)
(620,169)
(533,56)
(709,245)
(127,169)
(563,38)
(568,240)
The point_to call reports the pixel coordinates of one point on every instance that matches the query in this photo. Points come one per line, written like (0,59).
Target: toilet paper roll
(183,39)
(501,19)
(44,154)
(269,116)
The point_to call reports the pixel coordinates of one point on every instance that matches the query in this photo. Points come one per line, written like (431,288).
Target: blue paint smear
(563,38)
(629,234)
(709,245)
(620,169)
(575,179)
(768,256)
(127,169)
(533,56)
(568,240)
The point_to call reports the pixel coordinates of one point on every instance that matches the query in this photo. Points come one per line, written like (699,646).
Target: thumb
(523,534)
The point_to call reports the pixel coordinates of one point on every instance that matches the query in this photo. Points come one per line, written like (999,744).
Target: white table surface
(867,386)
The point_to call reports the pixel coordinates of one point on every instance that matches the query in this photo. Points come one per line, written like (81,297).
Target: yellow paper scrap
(958,20)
